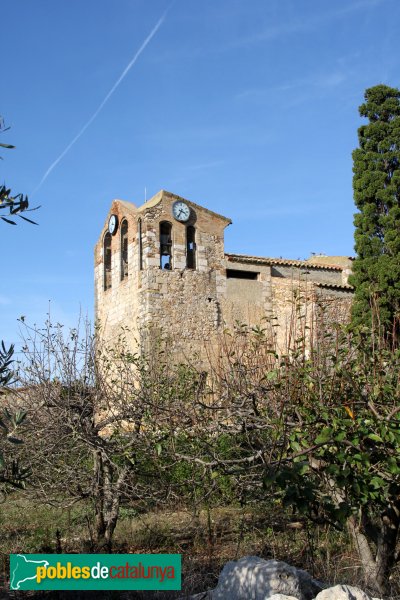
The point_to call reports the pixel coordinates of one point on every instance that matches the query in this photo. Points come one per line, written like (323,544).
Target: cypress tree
(376,184)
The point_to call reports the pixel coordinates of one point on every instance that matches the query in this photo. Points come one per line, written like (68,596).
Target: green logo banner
(95,571)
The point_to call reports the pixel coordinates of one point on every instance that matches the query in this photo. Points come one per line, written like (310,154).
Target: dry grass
(206,540)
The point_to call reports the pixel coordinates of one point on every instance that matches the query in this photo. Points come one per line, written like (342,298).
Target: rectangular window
(140,244)
(165,246)
(236,274)
(190,247)
(124,250)
(107,261)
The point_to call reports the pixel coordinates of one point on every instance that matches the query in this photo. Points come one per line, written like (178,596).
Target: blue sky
(248,107)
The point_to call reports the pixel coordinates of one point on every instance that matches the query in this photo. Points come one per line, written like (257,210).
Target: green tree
(376,183)
(348,416)
(12,205)
(12,475)
(319,426)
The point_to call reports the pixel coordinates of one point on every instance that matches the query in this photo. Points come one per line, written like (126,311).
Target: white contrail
(107,97)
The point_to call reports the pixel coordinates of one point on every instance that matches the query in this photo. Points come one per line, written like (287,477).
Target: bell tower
(160,272)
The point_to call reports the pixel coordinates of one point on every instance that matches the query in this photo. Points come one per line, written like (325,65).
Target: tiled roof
(259,260)
(335,286)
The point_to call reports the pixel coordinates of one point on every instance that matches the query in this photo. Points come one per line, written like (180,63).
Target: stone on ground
(252,578)
(281,597)
(343,592)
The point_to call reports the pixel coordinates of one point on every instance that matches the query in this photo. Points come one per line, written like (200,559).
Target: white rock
(281,597)
(343,592)
(252,578)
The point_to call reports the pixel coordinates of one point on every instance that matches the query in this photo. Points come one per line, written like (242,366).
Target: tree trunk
(107,499)
(386,546)
(377,568)
(113,508)
(98,495)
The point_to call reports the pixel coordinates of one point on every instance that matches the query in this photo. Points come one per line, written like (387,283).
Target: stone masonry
(189,300)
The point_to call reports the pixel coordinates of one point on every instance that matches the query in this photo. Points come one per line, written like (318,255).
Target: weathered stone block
(343,592)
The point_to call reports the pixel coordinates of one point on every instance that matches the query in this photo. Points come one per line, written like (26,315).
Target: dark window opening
(140,244)
(277,272)
(190,247)
(165,246)
(235,274)
(124,250)
(107,261)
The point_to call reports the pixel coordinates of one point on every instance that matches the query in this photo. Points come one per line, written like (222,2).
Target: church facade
(161,270)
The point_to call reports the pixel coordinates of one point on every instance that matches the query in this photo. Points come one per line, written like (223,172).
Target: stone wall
(292,308)
(325,275)
(180,308)
(181,305)
(116,309)
(247,301)
(302,308)
(188,307)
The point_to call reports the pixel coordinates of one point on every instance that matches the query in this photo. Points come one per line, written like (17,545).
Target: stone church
(161,270)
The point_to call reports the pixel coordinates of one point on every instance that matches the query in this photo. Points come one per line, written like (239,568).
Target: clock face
(113,224)
(181,211)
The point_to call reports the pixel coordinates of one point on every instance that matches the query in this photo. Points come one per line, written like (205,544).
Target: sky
(246,107)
